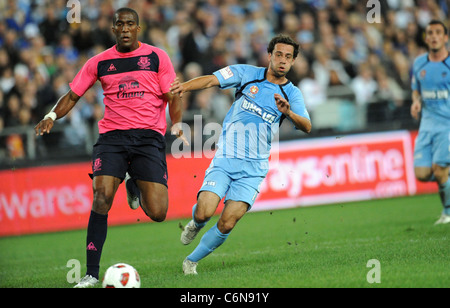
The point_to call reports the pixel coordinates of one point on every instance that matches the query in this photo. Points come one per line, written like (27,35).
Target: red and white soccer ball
(121,275)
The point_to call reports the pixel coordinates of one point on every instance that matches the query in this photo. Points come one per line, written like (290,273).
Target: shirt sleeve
(166,72)
(230,76)
(85,78)
(297,104)
(415,85)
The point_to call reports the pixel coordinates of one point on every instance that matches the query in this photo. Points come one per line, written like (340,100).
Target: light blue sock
(212,239)
(444,191)
(197,224)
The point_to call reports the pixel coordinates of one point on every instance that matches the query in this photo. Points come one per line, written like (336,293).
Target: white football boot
(444,219)
(189,267)
(87,282)
(132,199)
(189,233)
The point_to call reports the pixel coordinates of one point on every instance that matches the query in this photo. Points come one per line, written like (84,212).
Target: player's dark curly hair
(283,39)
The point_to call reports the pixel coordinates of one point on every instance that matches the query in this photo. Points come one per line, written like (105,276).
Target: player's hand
(176,87)
(416,108)
(282,104)
(44,126)
(177,131)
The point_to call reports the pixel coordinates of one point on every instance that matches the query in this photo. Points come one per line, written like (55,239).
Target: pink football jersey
(133,86)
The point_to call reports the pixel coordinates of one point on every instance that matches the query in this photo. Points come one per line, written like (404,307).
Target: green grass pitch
(323,246)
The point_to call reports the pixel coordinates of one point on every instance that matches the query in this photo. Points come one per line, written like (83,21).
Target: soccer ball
(121,275)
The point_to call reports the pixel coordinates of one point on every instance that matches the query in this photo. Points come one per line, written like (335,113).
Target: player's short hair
(283,39)
(438,22)
(126,10)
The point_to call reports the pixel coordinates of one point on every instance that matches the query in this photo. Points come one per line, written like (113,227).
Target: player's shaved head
(125,10)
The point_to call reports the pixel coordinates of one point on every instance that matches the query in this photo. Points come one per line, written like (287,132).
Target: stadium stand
(355,74)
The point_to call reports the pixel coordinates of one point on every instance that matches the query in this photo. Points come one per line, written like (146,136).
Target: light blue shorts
(234,183)
(432,148)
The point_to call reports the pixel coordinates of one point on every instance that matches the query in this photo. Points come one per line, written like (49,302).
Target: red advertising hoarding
(56,198)
(339,169)
(302,173)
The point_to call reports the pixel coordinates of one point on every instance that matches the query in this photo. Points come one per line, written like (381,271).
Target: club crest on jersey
(144,63)
(254,90)
(423,73)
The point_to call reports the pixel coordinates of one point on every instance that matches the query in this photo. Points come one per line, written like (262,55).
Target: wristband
(51,115)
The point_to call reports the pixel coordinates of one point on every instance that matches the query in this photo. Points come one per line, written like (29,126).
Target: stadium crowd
(40,52)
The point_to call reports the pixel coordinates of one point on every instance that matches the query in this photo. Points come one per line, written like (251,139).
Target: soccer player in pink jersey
(135,78)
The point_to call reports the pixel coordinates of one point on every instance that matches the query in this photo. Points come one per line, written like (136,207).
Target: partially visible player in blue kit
(431,103)
(264,98)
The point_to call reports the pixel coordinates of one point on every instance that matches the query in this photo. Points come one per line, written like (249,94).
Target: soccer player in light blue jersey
(431,103)
(264,98)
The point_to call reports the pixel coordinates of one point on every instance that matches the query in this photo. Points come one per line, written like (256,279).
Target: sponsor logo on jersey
(129,88)
(253,108)
(438,94)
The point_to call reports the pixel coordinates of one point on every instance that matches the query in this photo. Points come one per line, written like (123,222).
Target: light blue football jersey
(253,120)
(432,80)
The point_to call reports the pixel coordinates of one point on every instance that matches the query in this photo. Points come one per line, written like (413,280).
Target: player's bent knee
(423,178)
(157,218)
(101,203)
(201,216)
(423,174)
(156,212)
(206,207)
(226,227)
(441,174)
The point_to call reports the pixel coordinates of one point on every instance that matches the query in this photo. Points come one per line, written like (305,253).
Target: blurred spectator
(52,27)
(83,38)
(15,147)
(402,69)
(328,72)
(102,35)
(40,52)
(24,116)
(364,85)
(191,71)
(7,80)
(388,103)
(12,111)
(313,92)
(388,89)
(66,48)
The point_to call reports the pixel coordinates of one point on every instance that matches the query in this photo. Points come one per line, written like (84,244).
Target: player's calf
(154,200)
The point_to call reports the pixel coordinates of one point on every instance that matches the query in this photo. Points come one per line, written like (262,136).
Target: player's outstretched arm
(199,83)
(62,107)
